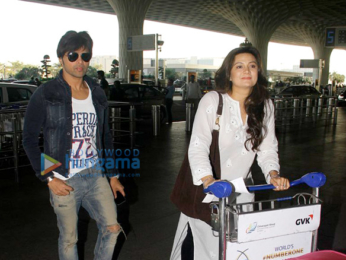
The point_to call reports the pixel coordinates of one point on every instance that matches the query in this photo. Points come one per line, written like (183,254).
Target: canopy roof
(296,18)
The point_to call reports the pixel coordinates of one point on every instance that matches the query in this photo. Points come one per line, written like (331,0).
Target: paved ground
(28,225)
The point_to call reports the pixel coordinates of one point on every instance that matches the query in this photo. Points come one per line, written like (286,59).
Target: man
(32,81)
(72,111)
(37,82)
(103,82)
(169,99)
(193,92)
(193,95)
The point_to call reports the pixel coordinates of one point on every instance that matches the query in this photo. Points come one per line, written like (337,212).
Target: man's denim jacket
(50,108)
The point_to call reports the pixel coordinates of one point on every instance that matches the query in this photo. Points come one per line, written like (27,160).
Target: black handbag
(187,196)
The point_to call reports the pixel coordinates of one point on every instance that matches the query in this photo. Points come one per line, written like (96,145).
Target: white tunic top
(236,160)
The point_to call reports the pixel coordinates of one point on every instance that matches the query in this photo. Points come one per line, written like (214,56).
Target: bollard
(314,110)
(329,110)
(117,125)
(320,105)
(335,116)
(295,108)
(15,147)
(132,126)
(285,119)
(278,111)
(112,113)
(189,119)
(308,107)
(155,113)
(330,105)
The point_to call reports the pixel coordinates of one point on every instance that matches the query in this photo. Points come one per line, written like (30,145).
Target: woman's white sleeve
(267,157)
(201,137)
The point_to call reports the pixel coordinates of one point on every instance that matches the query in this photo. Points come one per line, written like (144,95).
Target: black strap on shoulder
(219,108)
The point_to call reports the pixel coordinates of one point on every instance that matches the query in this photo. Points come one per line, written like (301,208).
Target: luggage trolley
(267,229)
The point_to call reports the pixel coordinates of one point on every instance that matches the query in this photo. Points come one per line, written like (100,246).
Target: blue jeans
(93,192)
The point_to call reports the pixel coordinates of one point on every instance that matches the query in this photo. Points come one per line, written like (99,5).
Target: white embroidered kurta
(235,161)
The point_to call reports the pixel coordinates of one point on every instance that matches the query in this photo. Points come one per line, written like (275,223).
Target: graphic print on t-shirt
(83,153)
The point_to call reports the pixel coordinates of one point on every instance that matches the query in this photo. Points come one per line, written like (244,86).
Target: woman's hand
(279,182)
(207,180)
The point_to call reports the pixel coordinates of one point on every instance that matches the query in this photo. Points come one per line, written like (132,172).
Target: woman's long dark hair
(255,102)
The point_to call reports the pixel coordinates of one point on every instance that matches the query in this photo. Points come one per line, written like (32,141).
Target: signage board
(278,222)
(335,37)
(309,63)
(141,42)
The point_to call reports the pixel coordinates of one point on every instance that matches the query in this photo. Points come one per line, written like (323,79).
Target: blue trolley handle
(222,189)
(312,179)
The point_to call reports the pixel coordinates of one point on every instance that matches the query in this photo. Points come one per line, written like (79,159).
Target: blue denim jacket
(50,108)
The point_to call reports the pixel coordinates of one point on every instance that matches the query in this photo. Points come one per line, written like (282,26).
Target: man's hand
(59,187)
(116,186)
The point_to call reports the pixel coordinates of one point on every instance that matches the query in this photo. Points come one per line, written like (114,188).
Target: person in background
(32,81)
(37,82)
(103,82)
(169,99)
(193,92)
(115,91)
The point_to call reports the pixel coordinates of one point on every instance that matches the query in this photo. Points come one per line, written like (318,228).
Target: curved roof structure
(295,19)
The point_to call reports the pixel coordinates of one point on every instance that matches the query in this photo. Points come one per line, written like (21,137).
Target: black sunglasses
(73,56)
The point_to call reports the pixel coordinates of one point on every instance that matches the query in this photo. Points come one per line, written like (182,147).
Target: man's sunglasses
(73,56)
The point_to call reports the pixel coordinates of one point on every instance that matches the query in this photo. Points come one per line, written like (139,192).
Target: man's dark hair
(73,41)
(101,73)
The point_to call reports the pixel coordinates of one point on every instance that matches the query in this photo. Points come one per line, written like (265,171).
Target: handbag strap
(219,110)
(219,107)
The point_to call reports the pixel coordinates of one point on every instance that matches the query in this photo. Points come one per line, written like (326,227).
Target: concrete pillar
(321,52)
(131,14)
(260,40)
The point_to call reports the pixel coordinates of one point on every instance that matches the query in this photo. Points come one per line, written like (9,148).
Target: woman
(247,129)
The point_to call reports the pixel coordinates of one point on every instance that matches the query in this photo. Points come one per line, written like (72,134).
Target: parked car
(342,98)
(11,93)
(28,82)
(8,80)
(149,82)
(301,91)
(142,96)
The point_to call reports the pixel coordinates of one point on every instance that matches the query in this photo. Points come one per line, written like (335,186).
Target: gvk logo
(304,221)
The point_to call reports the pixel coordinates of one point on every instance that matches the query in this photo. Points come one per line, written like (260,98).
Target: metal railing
(296,113)
(117,122)
(11,149)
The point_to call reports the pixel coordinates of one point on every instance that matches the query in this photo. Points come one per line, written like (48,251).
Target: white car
(342,97)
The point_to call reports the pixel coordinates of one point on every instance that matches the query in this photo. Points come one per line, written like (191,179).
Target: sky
(30,30)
